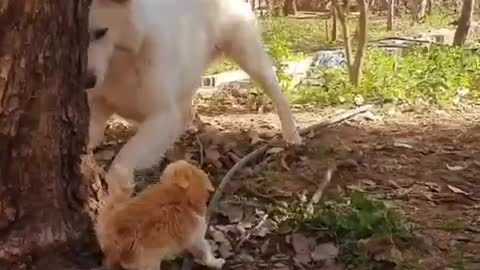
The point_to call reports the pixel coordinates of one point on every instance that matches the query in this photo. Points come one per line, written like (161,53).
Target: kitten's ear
(178,173)
(182,182)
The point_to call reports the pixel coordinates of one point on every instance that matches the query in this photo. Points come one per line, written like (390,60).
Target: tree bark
(362,43)
(464,23)
(43,130)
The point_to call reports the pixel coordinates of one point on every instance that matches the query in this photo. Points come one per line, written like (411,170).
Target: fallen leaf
(224,246)
(274,150)
(225,250)
(245,258)
(454,168)
(234,157)
(368,183)
(457,190)
(324,251)
(300,243)
(284,228)
(264,247)
(218,236)
(266,228)
(213,155)
(254,137)
(331,264)
(302,258)
(281,266)
(381,249)
(283,162)
(433,186)
(402,145)
(235,214)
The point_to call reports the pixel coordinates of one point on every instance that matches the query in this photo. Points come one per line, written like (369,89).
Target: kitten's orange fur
(167,218)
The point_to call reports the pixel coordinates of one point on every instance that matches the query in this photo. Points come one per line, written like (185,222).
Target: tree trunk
(43,130)
(422,7)
(430,4)
(464,23)
(418,11)
(346,35)
(362,43)
(290,7)
(334,23)
(390,14)
(414,11)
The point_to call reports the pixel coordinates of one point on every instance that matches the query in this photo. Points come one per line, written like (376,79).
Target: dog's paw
(294,139)
(216,263)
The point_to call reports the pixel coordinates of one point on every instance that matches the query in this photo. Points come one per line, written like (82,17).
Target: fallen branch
(187,262)
(249,234)
(336,119)
(239,165)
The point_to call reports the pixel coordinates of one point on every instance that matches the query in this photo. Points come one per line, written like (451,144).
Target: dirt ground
(424,161)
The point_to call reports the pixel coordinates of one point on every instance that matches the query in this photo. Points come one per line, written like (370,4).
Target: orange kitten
(166,218)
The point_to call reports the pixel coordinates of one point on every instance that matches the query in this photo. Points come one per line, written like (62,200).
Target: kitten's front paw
(216,263)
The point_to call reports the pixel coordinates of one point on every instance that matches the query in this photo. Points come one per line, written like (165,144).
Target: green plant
(348,221)
(434,75)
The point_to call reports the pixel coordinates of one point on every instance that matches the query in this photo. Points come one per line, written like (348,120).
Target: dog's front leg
(154,136)
(99,114)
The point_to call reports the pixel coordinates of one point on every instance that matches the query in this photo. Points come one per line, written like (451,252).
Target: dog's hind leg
(245,48)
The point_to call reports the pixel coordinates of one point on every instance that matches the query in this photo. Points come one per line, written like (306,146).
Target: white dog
(146,59)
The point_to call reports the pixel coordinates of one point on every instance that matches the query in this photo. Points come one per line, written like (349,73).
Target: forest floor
(411,201)
(408,200)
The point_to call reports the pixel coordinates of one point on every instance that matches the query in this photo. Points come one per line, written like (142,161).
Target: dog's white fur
(169,44)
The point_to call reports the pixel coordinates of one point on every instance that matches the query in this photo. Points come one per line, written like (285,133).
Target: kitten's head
(191,180)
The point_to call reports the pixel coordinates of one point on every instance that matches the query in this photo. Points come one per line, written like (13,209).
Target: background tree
(290,7)
(334,23)
(418,11)
(464,23)
(390,14)
(43,124)
(354,65)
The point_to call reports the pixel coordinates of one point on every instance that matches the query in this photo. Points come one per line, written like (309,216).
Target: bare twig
(328,177)
(249,234)
(336,119)
(187,262)
(200,145)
